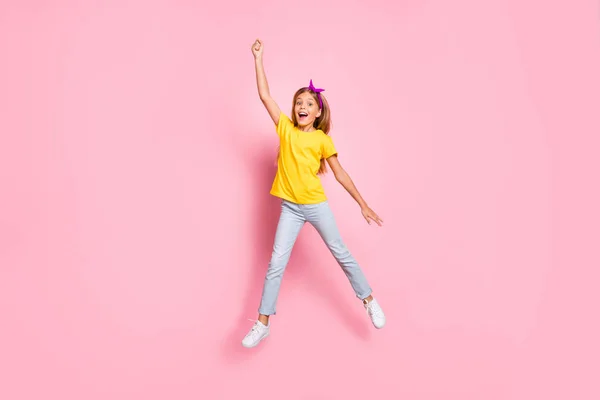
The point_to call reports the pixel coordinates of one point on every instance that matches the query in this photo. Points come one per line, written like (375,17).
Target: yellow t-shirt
(299,161)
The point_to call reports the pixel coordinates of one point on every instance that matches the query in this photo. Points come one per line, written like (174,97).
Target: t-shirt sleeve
(284,126)
(328,147)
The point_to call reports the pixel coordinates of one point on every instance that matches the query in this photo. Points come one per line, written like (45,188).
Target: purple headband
(317,91)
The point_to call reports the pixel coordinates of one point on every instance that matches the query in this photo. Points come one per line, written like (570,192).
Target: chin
(305,123)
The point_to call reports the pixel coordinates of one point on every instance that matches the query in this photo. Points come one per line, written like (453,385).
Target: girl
(304,147)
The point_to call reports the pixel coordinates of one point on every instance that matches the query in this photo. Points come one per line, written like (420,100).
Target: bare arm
(344,179)
(262,84)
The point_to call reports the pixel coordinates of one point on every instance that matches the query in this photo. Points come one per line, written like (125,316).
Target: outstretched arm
(344,179)
(261,82)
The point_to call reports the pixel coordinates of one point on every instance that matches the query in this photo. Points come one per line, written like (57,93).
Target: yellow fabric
(299,161)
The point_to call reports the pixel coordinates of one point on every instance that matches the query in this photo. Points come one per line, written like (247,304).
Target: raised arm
(261,82)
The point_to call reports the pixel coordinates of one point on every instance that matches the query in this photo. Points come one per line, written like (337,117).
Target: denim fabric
(292,219)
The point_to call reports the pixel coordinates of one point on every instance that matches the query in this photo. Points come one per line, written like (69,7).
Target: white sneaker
(375,313)
(258,332)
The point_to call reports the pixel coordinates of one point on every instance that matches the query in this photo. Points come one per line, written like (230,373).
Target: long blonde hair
(323,122)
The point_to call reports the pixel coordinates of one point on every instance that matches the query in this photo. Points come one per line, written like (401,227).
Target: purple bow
(317,91)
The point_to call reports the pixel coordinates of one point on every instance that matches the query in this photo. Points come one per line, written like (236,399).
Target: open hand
(370,215)
(257,48)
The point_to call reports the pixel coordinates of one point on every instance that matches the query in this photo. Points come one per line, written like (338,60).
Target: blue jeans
(292,219)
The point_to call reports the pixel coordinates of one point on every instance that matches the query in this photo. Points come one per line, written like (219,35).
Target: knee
(276,266)
(338,248)
(343,256)
(345,259)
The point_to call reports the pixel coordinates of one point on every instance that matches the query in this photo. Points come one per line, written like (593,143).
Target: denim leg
(291,221)
(321,217)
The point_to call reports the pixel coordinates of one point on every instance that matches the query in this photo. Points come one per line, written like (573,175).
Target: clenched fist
(257,48)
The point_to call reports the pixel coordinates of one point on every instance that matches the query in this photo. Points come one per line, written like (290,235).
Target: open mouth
(302,114)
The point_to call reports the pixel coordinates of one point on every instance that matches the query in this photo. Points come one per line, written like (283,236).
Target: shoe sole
(380,327)
(257,343)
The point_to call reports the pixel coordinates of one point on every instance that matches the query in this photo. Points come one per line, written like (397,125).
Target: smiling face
(306,110)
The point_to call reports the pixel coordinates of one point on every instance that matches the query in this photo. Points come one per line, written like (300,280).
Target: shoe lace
(373,310)
(254,330)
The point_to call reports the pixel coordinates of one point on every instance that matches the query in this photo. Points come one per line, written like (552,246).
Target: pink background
(136,224)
